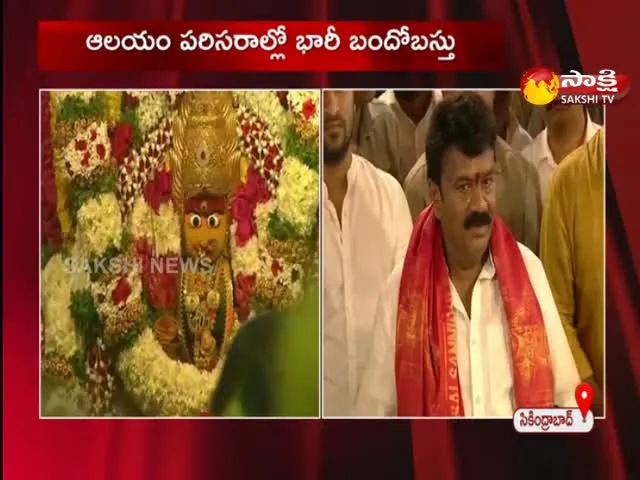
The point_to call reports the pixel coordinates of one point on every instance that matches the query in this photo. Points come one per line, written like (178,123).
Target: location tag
(584,398)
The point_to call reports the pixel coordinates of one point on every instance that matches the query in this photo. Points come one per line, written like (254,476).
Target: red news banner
(275,46)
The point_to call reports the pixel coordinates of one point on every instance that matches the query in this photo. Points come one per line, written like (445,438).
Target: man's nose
(478,201)
(330,104)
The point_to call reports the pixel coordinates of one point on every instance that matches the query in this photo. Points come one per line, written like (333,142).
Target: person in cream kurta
(397,135)
(467,324)
(366,229)
(567,128)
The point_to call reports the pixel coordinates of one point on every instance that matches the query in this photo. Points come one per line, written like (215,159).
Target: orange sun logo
(539,85)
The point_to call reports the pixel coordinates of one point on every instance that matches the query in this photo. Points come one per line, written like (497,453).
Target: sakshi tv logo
(542,86)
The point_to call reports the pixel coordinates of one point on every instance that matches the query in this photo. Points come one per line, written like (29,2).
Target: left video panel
(180,254)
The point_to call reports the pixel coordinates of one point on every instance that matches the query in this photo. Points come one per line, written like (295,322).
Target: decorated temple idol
(170,219)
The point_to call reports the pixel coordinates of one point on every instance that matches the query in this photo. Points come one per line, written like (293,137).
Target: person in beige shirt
(397,136)
(366,111)
(518,190)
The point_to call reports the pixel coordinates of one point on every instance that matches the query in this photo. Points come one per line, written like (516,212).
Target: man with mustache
(397,136)
(366,229)
(567,127)
(517,193)
(572,251)
(467,325)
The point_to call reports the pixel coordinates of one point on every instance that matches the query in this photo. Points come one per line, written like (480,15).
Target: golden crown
(205,158)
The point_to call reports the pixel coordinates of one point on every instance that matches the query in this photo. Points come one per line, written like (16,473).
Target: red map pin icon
(584,398)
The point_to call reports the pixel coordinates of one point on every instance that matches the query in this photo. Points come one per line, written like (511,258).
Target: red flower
(160,280)
(152,195)
(308,109)
(164,183)
(244,289)
(85,159)
(121,292)
(121,139)
(276,268)
(242,211)
(158,191)
(256,188)
(101,151)
(81,145)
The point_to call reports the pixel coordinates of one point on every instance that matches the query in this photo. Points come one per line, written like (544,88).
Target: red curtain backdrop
(581,34)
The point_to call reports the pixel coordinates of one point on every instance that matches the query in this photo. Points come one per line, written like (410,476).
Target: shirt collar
(488,271)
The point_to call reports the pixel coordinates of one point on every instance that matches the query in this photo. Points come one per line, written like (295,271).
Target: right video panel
(463,253)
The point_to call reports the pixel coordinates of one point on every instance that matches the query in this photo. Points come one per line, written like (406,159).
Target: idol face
(205,225)
(338,124)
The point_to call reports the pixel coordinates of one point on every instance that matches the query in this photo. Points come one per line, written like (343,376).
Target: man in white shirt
(567,128)
(366,230)
(467,325)
(397,136)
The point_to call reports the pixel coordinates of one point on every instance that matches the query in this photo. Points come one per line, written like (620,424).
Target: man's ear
(435,194)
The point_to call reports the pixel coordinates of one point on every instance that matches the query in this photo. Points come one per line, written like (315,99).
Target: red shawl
(426,366)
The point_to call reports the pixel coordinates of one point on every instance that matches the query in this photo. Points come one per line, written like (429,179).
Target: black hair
(461,121)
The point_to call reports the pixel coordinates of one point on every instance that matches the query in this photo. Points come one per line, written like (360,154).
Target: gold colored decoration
(291,251)
(113,101)
(62,185)
(57,366)
(205,157)
(127,319)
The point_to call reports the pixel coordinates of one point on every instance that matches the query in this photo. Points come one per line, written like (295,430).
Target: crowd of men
(463,253)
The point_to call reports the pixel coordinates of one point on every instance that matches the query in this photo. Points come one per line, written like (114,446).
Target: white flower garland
(258,143)
(140,221)
(162,229)
(162,386)
(99,224)
(58,282)
(90,149)
(246,259)
(167,238)
(297,100)
(266,105)
(152,108)
(298,195)
(141,166)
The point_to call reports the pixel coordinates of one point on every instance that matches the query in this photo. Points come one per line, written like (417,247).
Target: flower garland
(152,107)
(162,386)
(51,228)
(99,225)
(275,210)
(120,324)
(89,151)
(58,282)
(137,167)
